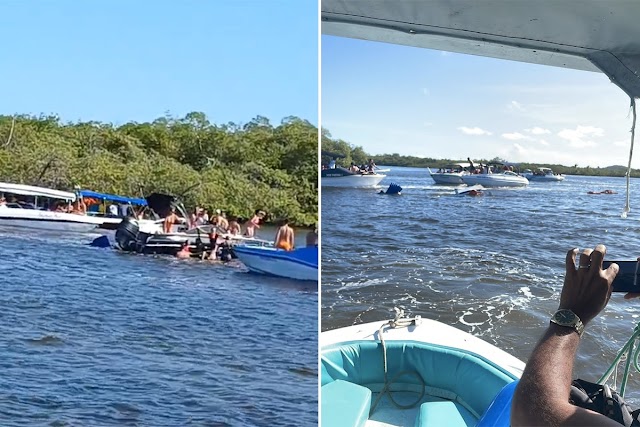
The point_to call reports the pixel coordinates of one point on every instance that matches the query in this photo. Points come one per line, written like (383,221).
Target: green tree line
(357,155)
(234,167)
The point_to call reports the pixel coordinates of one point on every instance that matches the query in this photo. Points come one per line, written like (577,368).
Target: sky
(427,103)
(120,60)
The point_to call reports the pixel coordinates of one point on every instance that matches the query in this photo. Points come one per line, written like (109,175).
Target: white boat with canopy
(28,206)
(544,175)
(463,378)
(451,174)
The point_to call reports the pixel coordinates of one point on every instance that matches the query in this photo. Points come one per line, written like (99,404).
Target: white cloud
(515,136)
(473,131)
(543,142)
(580,137)
(538,130)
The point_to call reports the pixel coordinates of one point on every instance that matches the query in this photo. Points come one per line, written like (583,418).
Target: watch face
(565,317)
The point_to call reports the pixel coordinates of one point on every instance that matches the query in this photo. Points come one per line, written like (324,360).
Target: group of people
(201,217)
(370,167)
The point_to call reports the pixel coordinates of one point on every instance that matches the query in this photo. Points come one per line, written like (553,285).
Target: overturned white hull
(545,178)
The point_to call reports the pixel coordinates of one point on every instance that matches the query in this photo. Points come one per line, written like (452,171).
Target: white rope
(398,322)
(627,206)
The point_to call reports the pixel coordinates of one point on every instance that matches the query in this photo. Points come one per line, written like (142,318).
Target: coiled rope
(398,322)
(628,355)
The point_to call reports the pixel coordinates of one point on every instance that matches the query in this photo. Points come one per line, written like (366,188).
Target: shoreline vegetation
(237,168)
(357,155)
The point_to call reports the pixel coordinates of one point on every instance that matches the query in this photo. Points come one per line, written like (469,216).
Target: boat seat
(444,413)
(499,412)
(345,404)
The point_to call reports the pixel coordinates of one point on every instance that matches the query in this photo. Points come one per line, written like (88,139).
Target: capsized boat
(543,175)
(299,264)
(451,174)
(414,372)
(28,206)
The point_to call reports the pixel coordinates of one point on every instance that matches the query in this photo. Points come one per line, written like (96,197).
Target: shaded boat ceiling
(596,35)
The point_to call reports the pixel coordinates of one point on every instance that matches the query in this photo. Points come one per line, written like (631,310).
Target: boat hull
(447,178)
(353,181)
(47,220)
(495,180)
(551,178)
(301,264)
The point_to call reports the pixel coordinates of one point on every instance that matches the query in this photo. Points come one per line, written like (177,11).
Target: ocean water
(492,266)
(93,337)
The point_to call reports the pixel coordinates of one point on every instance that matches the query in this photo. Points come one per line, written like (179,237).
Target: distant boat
(543,174)
(450,174)
(501,179)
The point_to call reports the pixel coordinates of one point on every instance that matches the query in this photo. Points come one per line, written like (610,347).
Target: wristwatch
(568,318)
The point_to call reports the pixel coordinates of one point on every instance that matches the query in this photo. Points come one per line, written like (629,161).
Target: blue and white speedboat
(299,264)
(414,372)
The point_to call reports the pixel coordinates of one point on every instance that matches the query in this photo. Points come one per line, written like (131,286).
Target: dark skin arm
(542,396)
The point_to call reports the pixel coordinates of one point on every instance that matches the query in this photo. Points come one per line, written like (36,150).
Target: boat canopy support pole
(627,206)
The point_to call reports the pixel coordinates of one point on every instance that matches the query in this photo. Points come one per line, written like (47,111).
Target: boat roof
(589,35)
(461,164)
(31,190)
(113,198)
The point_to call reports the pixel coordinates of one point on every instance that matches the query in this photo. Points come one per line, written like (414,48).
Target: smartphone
(627,279)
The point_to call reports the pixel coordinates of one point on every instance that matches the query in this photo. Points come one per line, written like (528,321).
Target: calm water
(91,337)
(492,265)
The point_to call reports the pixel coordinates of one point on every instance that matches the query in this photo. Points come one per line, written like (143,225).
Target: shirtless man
(284,236)
(234,227)
(184,251)
(171,219)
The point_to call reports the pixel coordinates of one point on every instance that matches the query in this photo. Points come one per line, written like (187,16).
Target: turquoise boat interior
(460,388)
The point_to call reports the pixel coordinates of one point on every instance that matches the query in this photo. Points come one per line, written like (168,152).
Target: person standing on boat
(542,395)
(170,220)
(254,223)
(234,227)
(284,236)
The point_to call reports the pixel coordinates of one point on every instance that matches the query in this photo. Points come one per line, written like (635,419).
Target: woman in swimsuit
(254,223)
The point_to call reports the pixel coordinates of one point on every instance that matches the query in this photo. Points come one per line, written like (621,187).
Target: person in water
(284,236)
(542,395)
(184,252)
(254,223)
(170,220)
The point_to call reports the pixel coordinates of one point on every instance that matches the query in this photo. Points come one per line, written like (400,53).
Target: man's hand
(587,288)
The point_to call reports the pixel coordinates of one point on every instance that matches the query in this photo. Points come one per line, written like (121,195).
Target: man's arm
(542,396)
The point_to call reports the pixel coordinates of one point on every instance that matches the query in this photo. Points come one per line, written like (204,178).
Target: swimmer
(184,251)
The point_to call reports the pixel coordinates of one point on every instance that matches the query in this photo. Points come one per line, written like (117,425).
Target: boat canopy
(30,190)
(113,198)
(579,34)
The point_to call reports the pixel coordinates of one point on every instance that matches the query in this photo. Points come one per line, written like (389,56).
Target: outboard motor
(127,234)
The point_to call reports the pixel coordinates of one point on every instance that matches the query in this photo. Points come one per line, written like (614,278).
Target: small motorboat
(474,190)
(543,175)
(336,176)
(414,372)
(341,177)
(299,264)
